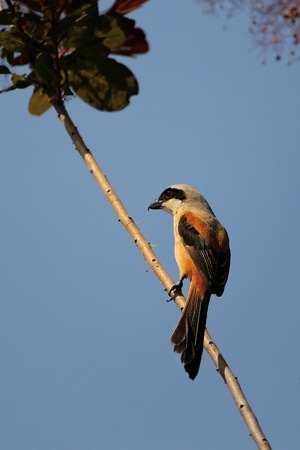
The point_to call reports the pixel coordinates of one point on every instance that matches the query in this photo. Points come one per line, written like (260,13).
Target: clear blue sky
(84,326)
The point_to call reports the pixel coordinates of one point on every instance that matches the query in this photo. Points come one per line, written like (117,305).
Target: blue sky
(86,361)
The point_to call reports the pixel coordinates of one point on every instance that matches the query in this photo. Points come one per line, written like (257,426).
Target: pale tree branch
(236,392)
(152,260)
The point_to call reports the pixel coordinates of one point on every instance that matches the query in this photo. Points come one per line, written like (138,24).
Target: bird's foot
(175,289)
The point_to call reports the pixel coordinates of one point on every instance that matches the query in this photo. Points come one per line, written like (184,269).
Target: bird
(202,253)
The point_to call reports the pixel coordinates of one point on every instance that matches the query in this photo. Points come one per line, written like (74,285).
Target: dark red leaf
(135,43)
(20,60)
(126,6)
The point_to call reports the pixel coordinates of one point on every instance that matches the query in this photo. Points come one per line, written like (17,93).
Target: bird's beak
(155,205)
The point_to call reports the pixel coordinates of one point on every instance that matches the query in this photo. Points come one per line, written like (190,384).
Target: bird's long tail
(188,335)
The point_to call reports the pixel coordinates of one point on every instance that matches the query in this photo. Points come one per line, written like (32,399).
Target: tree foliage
(274,25)
(67,46)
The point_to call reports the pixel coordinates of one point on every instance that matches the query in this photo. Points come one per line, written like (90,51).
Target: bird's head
(178,197)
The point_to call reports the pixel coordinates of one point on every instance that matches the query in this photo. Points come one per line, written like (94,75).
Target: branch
(236,392)
(110,194)
(163,276)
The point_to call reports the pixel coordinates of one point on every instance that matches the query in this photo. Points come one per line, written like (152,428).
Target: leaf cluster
(67,47)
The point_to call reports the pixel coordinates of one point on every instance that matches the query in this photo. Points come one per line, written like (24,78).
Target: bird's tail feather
(188,335)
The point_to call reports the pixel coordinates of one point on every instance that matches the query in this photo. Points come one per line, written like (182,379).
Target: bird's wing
(213,264)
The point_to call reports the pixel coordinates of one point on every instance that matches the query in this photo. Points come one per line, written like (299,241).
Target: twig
(164,277)
(236,392)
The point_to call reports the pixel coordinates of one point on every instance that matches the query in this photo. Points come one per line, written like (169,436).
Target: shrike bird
(203,255)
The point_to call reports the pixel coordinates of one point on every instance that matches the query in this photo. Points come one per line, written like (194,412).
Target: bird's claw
(175,288)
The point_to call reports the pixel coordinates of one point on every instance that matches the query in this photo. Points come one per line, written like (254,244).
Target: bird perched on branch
(203,255)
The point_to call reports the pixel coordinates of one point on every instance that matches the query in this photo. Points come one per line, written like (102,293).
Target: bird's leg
(176,288)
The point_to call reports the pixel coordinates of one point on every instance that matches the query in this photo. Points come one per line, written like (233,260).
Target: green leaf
(38,103)
(44,68)
(7,17)
(20,81)
(79,59)
(82,38)
(106,86)
(80,8)
(114,28)
(15,41)
(78,27)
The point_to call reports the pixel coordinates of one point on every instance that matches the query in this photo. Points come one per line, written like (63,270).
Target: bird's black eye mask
(169,193)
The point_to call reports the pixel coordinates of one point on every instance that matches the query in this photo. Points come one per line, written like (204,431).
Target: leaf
(34,25)
(19,60)
(8,17)
(84,58)
(113,29)
(15,41)
(78,27)
(20,81)
(32,4)
(44,68)
(106,86)
(4,70)
(38,102)
(135,43)
(81,8)
(9,88)
(120,35)
(84,42)
(126,6)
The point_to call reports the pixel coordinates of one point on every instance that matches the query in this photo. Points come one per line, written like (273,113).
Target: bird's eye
(166,195)
(171,192)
